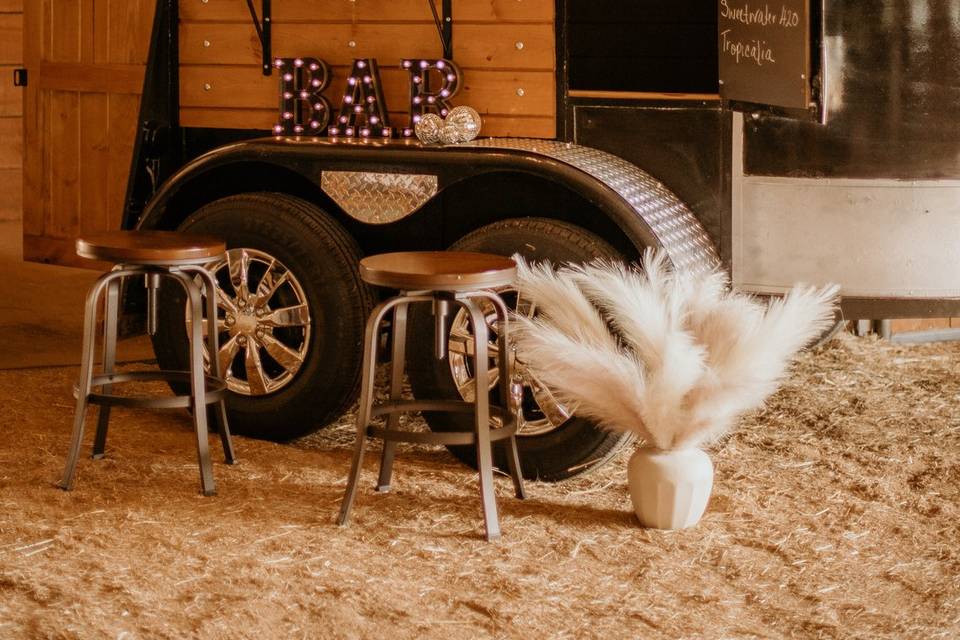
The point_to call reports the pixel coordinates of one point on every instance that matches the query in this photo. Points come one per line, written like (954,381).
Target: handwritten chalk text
(753,50)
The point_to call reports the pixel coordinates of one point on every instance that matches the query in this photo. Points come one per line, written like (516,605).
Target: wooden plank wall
(506,49)
(11,110)
(86,60)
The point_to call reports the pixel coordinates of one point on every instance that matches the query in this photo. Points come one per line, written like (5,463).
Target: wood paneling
(11,147)
(11,97)
(104,78)
(11,39)
(11,56)
(372,10)
(123,36)
(11,110)
(506,49)
(11,188)
(476,46)
(487,91)
(86,60)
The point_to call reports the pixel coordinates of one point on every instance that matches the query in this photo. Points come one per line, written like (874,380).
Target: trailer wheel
(291,313)
(553,445)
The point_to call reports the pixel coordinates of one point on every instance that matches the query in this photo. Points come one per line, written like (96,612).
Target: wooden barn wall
(506,49)
(86,60)
(11,110)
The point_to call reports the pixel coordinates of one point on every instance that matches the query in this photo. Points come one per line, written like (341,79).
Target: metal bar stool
(442,278)
(153,255)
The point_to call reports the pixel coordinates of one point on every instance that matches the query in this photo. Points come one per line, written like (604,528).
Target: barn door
(86,60)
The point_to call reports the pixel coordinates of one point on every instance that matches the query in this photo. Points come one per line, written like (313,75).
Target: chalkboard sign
(764,52)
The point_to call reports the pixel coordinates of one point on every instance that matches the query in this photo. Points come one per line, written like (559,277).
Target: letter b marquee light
(302,107)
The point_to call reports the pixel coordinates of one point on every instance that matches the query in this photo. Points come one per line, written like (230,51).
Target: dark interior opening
(642,45)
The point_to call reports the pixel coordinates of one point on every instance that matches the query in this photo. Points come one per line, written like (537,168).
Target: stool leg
(86,375)
(198,384)
(506,378)
(213,346)
(397,362)
(110,321)
(366,405)
(513,463)
(482,414)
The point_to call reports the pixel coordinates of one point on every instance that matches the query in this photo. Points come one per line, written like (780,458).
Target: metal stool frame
(481,436)
(204,389)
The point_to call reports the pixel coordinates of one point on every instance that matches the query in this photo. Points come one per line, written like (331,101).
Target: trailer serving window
(657,46)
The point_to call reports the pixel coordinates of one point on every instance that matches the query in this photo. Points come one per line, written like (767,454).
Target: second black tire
(568,449)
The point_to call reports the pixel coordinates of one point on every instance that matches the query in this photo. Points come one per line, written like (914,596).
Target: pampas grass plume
(670,356)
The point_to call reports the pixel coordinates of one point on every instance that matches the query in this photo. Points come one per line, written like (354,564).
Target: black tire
(572,448)
(323,260)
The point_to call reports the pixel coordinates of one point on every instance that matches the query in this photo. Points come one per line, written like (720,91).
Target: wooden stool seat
(150,247)
(438,270)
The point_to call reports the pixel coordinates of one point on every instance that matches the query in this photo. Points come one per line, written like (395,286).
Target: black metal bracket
(263,26)
(444,22)
(19,77)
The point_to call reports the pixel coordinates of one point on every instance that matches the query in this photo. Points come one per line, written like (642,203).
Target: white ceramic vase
(670,489)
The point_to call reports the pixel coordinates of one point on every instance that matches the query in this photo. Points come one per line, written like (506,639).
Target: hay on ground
(835,514)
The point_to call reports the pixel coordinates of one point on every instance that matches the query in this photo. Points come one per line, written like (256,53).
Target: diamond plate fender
(670,220)
(378,198)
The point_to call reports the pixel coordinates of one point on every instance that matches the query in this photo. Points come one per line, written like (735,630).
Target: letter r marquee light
(424,96)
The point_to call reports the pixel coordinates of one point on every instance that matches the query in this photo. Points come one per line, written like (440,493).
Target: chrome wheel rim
(263,321)
(539,412)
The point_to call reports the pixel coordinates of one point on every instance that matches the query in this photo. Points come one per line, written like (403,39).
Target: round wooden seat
(150,247)
(438,270)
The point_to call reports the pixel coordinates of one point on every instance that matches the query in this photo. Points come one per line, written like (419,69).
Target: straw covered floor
(835,514)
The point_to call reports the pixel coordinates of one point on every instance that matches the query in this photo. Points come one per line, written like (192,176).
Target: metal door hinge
(19,77)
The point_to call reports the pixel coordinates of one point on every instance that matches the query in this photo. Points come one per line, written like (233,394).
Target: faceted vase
(669,489)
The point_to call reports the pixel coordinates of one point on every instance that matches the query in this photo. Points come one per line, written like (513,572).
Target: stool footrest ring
(407,406)
(436,437)
(215,390)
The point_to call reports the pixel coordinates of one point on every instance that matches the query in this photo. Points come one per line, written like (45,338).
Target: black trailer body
(646,154)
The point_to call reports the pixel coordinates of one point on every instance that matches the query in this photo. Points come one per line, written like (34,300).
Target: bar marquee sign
(764,52)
